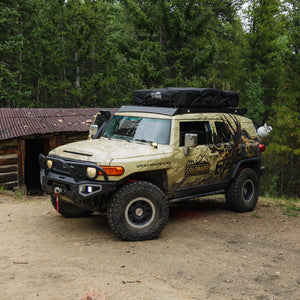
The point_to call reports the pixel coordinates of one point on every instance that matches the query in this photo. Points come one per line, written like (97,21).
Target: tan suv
(176,143)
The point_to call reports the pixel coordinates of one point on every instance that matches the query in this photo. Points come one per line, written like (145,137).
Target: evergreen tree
(283,152)
(180,42)
(263,62)
(11,53)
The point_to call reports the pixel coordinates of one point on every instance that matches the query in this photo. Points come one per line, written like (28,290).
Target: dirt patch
(205,252)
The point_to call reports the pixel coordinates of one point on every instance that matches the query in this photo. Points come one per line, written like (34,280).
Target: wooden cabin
(27,132)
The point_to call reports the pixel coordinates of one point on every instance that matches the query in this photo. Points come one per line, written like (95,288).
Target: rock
(93,294)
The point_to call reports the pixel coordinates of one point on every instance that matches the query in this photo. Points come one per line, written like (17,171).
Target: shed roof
(18,122)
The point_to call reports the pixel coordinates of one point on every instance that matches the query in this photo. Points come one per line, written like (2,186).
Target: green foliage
(290,206)
(254,104)
(283,150)
(188,39)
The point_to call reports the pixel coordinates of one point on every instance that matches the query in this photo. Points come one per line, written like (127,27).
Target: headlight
(49,164)
(91,172)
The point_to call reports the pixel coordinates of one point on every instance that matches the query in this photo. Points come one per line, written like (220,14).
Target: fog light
(49,164)
(91,172)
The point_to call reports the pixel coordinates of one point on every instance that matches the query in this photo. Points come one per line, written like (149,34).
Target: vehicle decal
(241,145)
(163,163)
(200,166)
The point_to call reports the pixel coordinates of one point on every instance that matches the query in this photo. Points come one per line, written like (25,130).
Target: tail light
(262,148)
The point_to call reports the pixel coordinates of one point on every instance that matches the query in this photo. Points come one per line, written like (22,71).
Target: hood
(104,151)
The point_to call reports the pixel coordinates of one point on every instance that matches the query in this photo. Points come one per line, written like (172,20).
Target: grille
(77,171)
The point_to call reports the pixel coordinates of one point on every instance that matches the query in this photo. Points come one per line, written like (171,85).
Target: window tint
(200,128)
(223,133)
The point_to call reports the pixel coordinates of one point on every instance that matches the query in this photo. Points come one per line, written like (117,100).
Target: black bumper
(71,184)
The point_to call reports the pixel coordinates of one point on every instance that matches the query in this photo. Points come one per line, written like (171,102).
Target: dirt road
(205,252)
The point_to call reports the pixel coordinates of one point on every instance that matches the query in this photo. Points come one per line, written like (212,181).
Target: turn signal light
(112,171)
(262,148)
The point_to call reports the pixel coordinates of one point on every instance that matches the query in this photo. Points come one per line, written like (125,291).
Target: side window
(200,128)
(223,133)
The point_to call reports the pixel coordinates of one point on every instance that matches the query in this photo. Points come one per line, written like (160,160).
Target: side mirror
(190,140)
(101,121)
(93,130)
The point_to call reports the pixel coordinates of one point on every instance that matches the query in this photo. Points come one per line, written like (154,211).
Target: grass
(13,193)
(289,206)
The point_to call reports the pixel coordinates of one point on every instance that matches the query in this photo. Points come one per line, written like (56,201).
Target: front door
(197,167)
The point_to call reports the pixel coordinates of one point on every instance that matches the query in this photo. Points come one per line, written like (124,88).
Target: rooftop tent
(186,97)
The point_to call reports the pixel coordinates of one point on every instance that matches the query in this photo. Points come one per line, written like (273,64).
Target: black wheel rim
(140,212)
(248,190)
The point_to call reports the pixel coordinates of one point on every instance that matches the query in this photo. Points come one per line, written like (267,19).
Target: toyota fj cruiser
(175,143)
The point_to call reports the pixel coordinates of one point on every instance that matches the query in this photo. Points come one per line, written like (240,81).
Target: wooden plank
(8,177)
(9,161)
(77,137)
(13,142)
(10,185)
(21,165)
(9,169)
(5,150)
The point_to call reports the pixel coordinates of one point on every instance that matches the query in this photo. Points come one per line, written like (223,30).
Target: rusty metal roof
(18,122)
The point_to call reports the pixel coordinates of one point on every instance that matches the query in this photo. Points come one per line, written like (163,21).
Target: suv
(176,143)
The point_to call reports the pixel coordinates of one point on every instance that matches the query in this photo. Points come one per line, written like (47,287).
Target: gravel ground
(205,252)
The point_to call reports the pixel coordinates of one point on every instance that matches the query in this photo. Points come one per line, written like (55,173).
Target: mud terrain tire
(69,210)
(242,193)
(138,211)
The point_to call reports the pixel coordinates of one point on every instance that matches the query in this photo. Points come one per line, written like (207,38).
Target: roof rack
(171,111)
(228,110)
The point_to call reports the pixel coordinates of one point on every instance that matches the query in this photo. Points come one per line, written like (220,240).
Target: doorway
(33,148)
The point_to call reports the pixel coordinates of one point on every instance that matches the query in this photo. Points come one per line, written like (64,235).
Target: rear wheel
(69,210)
(242,193)
(138,211)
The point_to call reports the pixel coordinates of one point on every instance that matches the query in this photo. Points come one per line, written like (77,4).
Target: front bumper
(71,184)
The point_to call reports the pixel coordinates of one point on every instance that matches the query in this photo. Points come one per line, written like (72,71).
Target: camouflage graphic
(241,145)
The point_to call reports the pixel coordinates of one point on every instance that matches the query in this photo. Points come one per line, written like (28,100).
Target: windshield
(139,129)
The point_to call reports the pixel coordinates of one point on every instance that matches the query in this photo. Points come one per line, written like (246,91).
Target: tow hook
(57,190)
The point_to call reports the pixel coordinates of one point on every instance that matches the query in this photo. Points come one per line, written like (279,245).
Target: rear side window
(200,128)
(223,133)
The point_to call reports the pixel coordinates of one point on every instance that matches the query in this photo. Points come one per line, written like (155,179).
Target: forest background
(89,53)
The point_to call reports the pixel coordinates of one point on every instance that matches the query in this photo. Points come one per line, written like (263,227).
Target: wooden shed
(27,132)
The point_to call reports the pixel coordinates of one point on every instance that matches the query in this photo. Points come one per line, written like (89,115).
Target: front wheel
(242,193)
(138,211)
(69,210)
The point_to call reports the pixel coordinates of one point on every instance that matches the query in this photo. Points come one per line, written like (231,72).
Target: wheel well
(254,166)
(157,177)
(251,164)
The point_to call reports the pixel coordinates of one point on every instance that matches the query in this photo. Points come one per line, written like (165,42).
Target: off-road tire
(138,211)
(242,193)
(69,210)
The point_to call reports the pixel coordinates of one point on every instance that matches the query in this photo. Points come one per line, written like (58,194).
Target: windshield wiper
(143,140)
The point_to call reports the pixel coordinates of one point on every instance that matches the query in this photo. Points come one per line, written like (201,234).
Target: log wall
(12,156)
(9,164)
